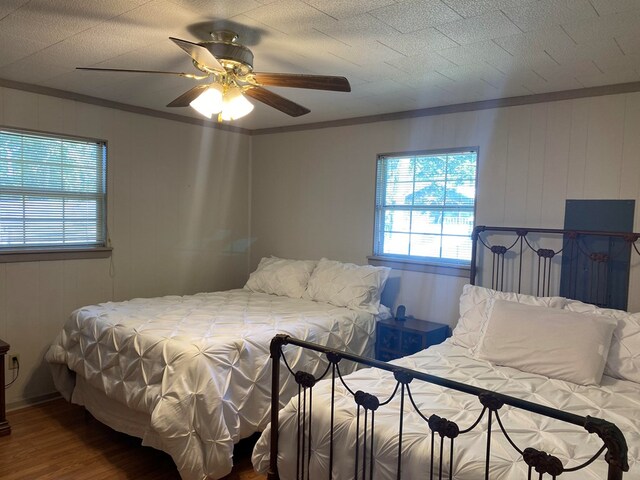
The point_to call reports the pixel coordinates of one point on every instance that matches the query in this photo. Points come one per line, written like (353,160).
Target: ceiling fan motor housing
(231,53)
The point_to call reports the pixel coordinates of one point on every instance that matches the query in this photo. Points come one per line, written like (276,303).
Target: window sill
(411,265)
(49,254)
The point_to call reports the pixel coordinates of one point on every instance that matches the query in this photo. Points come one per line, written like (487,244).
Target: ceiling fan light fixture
(209,102)
(235,105)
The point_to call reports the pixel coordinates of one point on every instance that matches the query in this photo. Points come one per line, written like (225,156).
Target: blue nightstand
(395,339)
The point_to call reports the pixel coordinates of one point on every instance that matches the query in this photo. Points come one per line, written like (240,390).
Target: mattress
(196,366)
(617,401)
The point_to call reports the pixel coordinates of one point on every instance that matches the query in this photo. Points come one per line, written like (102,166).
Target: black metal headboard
(584,265)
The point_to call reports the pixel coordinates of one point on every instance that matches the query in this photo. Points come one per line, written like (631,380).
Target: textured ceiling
(398,55)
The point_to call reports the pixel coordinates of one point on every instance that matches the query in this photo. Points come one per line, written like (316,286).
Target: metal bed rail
(539,463)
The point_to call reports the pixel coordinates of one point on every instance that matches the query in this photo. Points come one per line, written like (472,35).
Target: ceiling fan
(229,67)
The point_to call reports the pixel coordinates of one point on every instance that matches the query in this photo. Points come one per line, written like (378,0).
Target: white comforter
(617,401)
(198,365)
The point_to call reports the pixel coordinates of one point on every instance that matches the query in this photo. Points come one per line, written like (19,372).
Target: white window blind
(425,206)
(52,191)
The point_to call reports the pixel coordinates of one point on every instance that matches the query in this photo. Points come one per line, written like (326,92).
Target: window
(425,206)
(52,192)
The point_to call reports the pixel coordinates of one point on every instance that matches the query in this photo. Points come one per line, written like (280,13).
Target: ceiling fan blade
(181,74)
(200,54)
(187,97)
(317,82)
(276,101)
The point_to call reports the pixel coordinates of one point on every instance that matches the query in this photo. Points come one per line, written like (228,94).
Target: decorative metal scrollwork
(614,440)
(490,401)
(333,358)
(402,377)
(366,400)
(546,253)
(542,462)
(443,427)
(305,379)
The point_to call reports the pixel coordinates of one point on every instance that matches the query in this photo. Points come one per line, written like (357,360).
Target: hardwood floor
(57,440)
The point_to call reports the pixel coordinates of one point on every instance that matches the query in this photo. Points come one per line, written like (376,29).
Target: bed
(528,386)
(190,375)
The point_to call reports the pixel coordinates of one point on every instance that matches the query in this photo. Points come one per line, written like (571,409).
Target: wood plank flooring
(57,440)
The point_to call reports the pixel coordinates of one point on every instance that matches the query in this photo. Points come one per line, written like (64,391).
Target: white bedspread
(617,401)
(198,365)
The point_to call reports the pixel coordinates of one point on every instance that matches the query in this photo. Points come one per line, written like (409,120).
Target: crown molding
(101,102)
(615,89)
(462,107)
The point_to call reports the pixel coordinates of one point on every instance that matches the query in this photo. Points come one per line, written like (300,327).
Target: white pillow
(552,342)
(474,313)
(624,356)
(347,285)
(279,276)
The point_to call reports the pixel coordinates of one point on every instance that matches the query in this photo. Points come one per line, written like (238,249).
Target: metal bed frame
(586,273)
(613,441)
(443,431)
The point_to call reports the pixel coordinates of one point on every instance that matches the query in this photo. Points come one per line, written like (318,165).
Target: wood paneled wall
(178,210)
(313,191)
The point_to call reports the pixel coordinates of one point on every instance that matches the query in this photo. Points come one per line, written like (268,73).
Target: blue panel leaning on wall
(612,278)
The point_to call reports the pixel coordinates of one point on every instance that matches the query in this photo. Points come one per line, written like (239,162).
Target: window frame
(435,265)
(29,253)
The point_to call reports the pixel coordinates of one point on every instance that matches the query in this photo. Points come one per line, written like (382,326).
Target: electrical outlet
(14,361)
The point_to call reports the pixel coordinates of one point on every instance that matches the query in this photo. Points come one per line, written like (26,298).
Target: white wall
(313,191)
(178,210)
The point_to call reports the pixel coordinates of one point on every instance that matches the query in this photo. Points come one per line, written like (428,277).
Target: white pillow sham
(623,361)
(474,312)
(279,276)
(357,287)
(552,342)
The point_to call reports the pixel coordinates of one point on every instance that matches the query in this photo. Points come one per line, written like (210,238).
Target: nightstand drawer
(395,339)
(389,337)
(412,342)
(386,355)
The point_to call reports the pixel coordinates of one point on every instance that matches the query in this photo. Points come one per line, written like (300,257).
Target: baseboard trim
(28,402)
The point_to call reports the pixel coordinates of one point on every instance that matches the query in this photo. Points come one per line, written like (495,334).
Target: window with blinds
(425,205)
(52,191)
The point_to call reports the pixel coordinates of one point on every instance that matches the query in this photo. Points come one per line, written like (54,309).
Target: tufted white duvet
(615,400)
(198,365)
